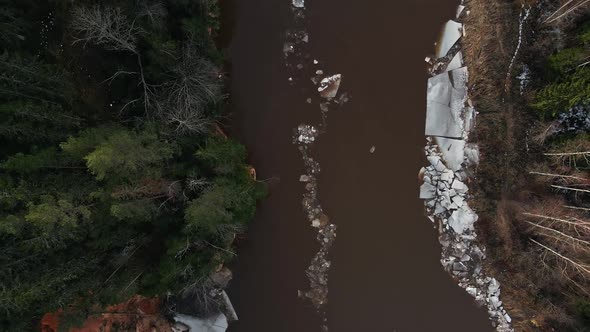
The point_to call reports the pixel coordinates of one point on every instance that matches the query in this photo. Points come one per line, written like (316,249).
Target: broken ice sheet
(427,191)
(451,33)
(329,86)
(452,151)
(460,10)
(306,134)
(462,220)
(456,62)
(444,105)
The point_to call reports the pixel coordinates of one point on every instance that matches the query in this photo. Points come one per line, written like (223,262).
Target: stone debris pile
(450,117)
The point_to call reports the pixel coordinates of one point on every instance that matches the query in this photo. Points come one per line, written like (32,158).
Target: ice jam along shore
(450,117)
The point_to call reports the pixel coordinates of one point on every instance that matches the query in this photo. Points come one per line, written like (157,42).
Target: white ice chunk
(470,115)
(460,10)
(456,62)
(452,151)
(299,3)
(445,100)
(427,191)
(329,86)
(472,154)
(462,219)
(472,291)
(451,33)
(447,176)
(437,163)
(458,200)
(214,324)
(439,209)
(460,187)
(493,286)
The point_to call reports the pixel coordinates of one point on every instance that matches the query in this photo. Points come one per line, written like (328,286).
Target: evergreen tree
(563,95)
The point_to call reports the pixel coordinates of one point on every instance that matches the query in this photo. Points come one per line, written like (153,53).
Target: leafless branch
(563,11)
(154,11)
(105,26)
(196,83)
(581,267)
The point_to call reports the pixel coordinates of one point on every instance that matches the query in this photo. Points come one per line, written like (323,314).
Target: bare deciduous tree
(105,26)
(110,28)
(195,84)
(563,234)
(204,294)
(154,12)
(568,9)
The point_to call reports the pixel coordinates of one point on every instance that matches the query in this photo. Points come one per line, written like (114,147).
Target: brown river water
(385,273)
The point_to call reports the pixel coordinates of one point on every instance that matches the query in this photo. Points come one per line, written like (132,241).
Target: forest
(115,176)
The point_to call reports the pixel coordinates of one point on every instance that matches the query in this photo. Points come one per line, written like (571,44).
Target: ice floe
(299,3)
(329,86)
(446,96)
(451,33)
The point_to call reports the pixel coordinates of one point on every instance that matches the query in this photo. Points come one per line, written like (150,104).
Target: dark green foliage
(563,95)
(30,79)
(28,163)
(583,308)
(568,76)
(223,156)
(584,34)
(565,62)
(100,198)
(127,155)
(28,122)
(140,210)
(225,202)
(12,27)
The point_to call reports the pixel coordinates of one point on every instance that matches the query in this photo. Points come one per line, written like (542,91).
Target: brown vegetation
(138,314)
(529,198)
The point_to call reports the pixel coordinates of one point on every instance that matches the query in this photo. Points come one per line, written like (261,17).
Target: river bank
(450,119)
(506,48)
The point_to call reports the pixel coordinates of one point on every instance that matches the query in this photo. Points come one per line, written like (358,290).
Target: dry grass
(535,294)
(491,38)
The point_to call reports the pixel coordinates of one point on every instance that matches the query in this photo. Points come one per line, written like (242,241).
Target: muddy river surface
(385,273)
